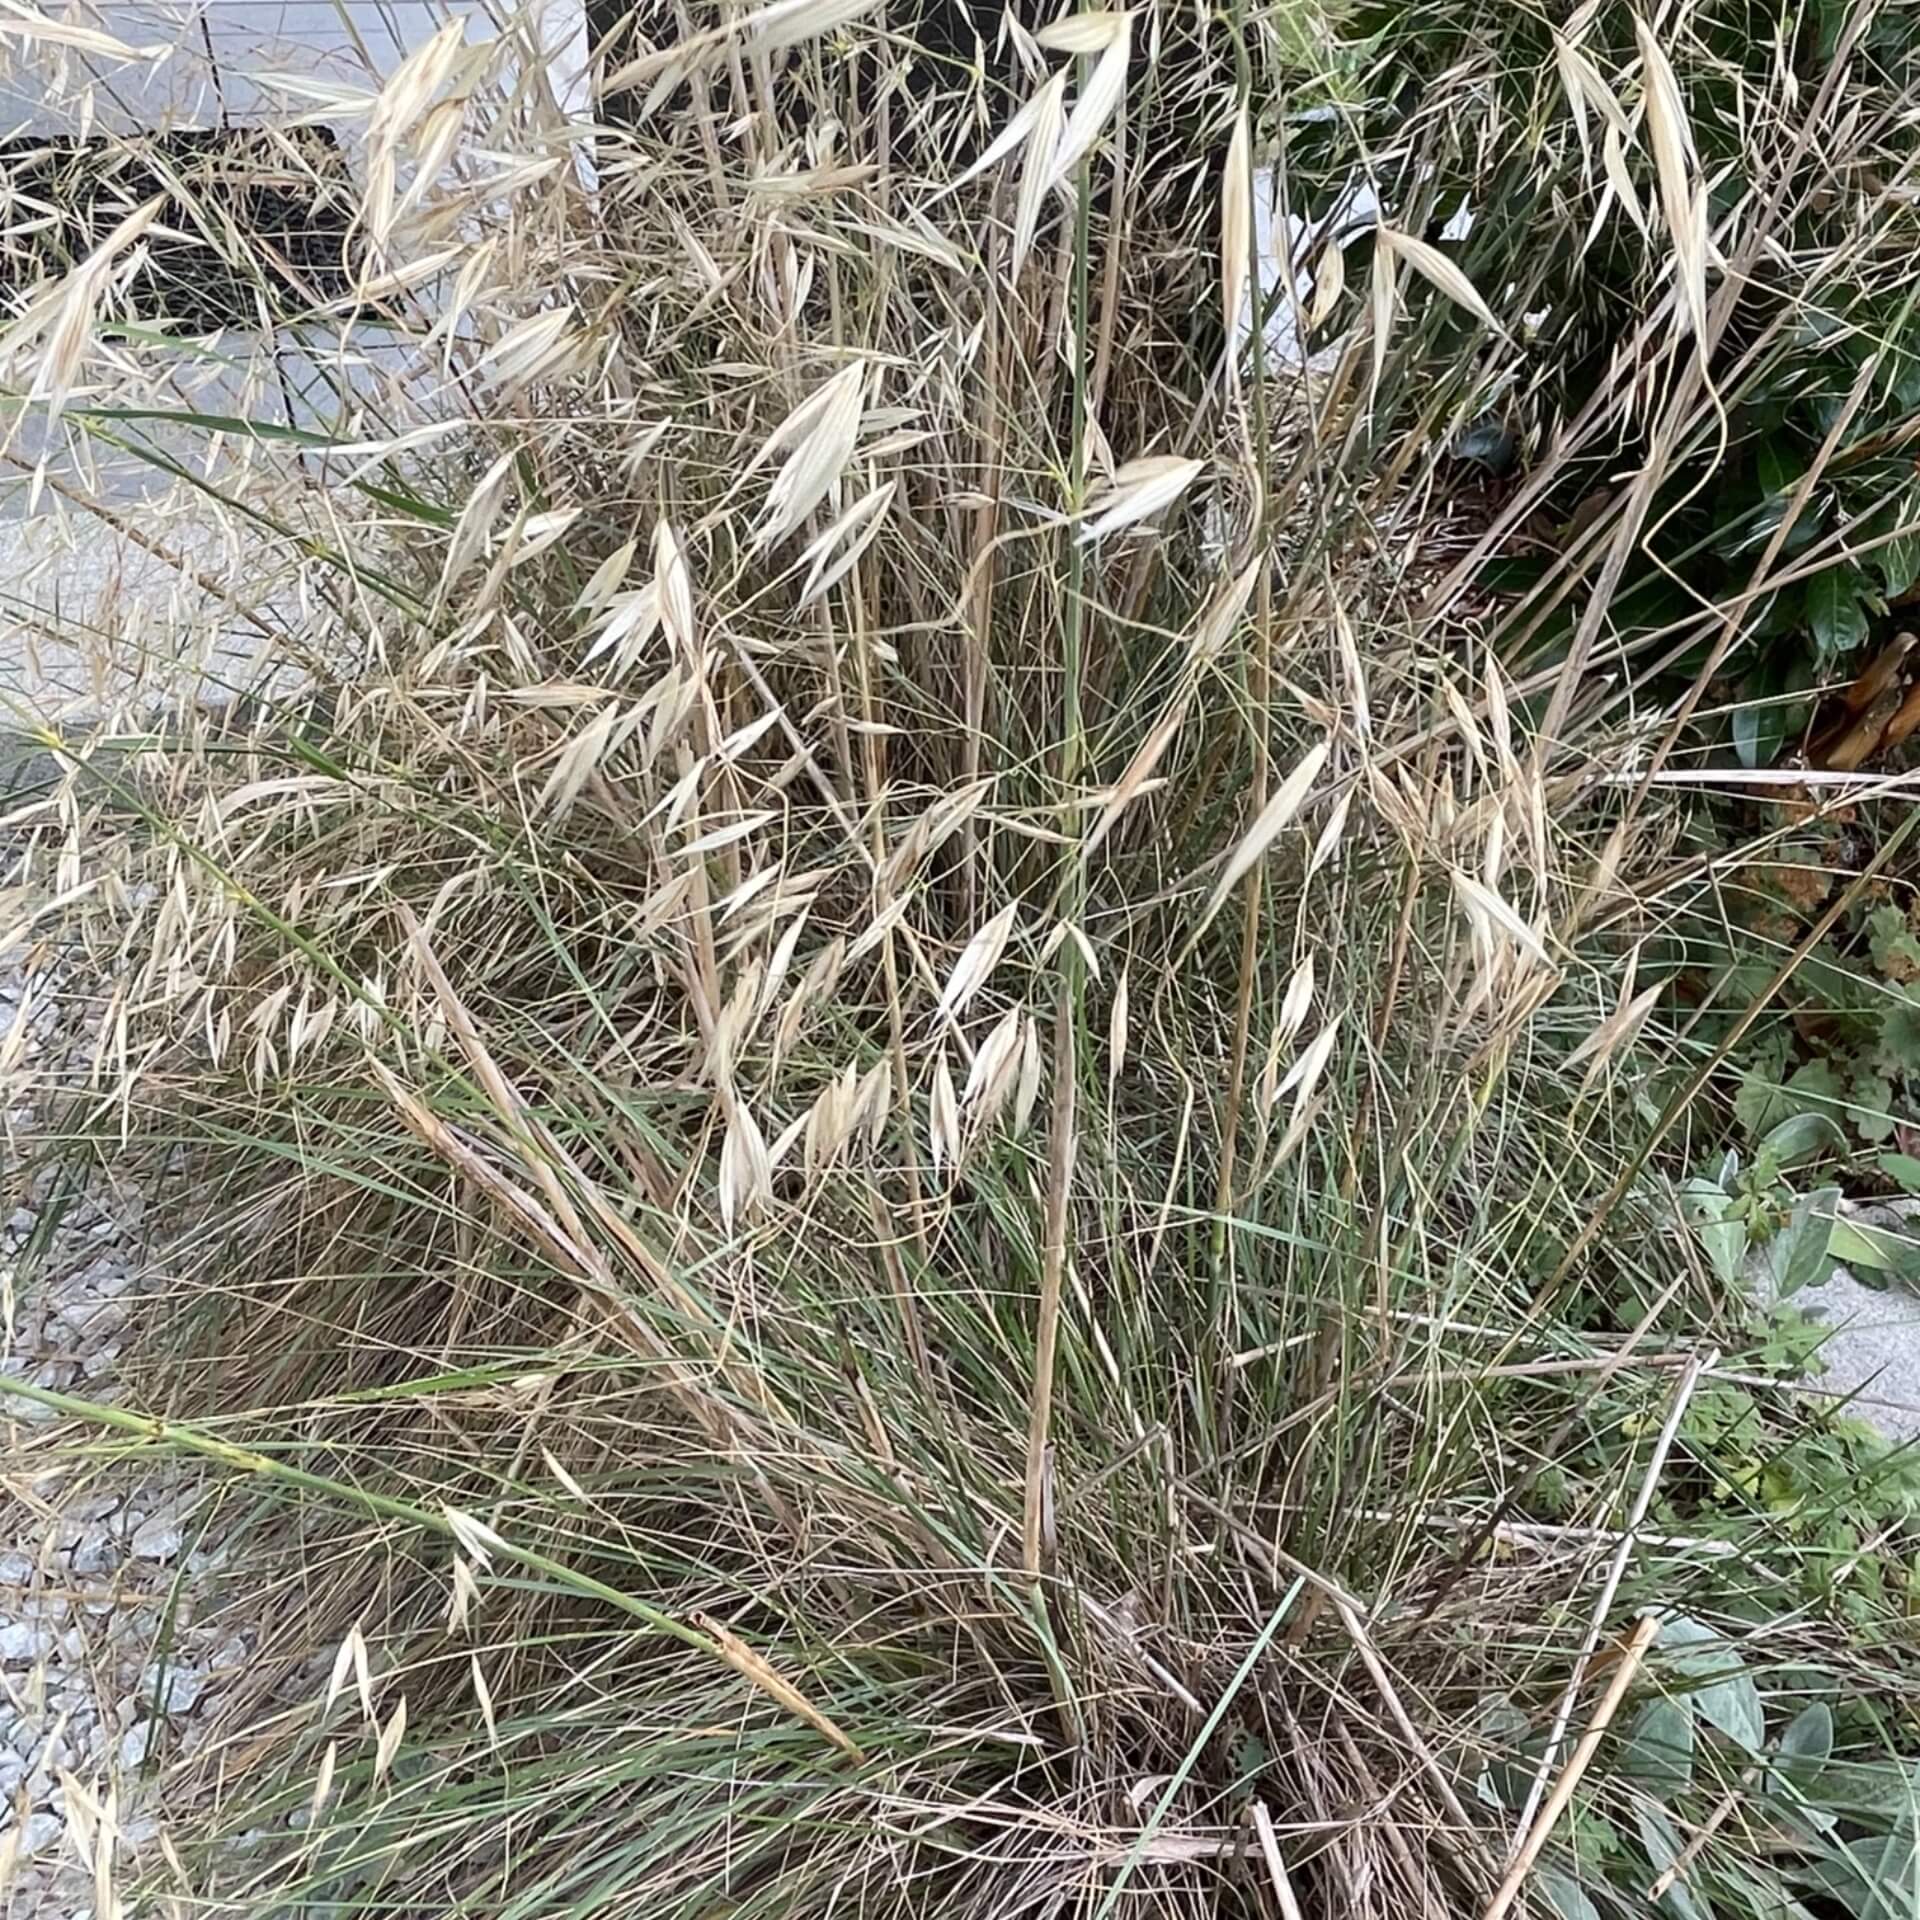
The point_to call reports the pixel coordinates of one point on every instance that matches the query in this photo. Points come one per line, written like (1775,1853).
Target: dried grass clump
(871,1051)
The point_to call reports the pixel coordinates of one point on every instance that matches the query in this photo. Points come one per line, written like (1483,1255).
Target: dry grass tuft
(869,1042)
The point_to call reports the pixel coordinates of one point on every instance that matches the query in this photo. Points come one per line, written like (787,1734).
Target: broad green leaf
(1662,1846)
(1563,1894)
(1801,1137)
(1902,1169)
(1659,1749)
(1708,1209)
(1834,614)
(1723,1693)
(1798,1256)
(1858,1243)
(1874,1878)
(1759,729)
(1809,1735)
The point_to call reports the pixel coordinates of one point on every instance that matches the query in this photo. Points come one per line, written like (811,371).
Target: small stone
(38,1832)
(24,1640)
(137,1742)
(184,1686)
(16,1569)
(157,1538)
(94,1551)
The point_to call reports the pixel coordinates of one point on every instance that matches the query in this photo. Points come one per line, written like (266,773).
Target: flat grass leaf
(1722,1693)
(1902,1169)
(1659,1748)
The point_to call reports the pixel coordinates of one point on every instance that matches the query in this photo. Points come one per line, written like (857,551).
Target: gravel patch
(107,1673)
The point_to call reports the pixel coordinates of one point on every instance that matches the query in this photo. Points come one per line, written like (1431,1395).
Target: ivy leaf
(1900,1034)
(1724,1694)
(1898,561)
(1761,1104)
(1834,614)
(1758,732)
(1659,1749)
(1890,938)
(1872,1108)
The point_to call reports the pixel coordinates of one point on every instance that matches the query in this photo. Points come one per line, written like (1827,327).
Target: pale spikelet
(1027,1091)
(1463,720)
(1090,32)
(786,23)
(389,1742)
(21,22)
(1329,283)
(1620,184)
(761,1674)
(1439,271)
(1683,205)
(833,554)
(1008,140)
(976,963)
(60,320)
(575,764)
(1117,1026)
(1094,108)
(606,579)
(1491,911)
(351,1658)
(464,1590)
(746,1171)
(1303,1080)
(540,348)
(1383,303)
(1327,846)
(475,526)
(479,1539)
(1286,800)
(1236,220)
(995,1068)
(943,1117)
(323,1780)
(822,445)
(1360,710)
(1138,489)
(1616,1032)
(483,1699)
(1296,1002)
(1042,142)
(673,587)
